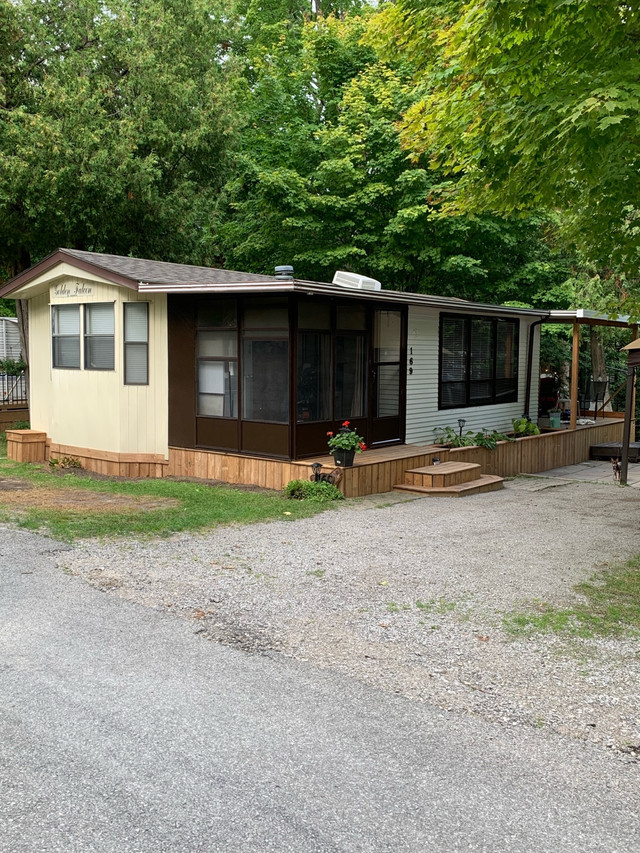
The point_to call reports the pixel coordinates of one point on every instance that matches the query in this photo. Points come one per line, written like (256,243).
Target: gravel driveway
(408,595)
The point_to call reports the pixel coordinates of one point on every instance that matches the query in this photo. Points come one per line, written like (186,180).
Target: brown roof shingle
(162,272)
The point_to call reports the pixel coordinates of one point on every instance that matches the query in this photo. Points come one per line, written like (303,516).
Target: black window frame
(492,398)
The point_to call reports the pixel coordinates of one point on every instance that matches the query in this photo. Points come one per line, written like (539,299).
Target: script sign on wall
(72,290)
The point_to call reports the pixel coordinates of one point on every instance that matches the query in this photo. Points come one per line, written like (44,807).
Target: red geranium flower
(346,423)
(329,433)
(363,446)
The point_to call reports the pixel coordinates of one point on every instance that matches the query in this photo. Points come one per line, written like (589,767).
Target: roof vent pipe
(284,273)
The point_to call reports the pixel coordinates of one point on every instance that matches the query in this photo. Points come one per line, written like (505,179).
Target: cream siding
(423,415)
(94,408)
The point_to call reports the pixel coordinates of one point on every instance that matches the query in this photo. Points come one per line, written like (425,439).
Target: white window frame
(56,335)
(130,344)
(89,337)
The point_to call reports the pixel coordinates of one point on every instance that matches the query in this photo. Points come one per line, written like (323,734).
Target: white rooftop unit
(355,281)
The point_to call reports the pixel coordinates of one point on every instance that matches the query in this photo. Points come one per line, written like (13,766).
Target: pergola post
(575,367)
(634,337)
(626,430)
(633,356)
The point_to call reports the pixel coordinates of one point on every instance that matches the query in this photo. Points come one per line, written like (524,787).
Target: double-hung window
(136,343)
(99,336)
(478,361)
(65,336)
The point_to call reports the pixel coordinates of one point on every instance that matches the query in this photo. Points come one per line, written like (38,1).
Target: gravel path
(408,595)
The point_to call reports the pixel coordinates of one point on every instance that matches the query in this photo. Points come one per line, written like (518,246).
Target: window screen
(99,336)
(478,361)
(65,336)
(136,343)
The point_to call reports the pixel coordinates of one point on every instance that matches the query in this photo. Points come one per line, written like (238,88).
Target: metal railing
(13,389)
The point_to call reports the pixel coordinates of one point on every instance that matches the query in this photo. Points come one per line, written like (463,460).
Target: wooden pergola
(584,317)
(633,355)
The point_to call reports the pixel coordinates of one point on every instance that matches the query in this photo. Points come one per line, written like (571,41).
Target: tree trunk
(598,365)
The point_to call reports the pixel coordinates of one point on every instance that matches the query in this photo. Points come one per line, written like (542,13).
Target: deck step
(613,450)
(443,475)
(484,483)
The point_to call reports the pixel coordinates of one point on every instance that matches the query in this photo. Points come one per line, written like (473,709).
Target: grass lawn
(610,606)
(71,505)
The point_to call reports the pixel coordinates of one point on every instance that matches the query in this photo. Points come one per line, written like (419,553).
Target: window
(314,376)
(136,343)
(478,361)
(387,348)
(265,361)
(65,336)
(217,360)
(99,336)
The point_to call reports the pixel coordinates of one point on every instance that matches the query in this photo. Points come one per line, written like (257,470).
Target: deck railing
(13,389)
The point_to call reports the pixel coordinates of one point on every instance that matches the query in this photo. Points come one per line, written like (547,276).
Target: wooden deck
(380,469)
(374,471)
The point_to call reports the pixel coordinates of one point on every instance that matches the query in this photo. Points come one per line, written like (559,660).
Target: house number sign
(72,289)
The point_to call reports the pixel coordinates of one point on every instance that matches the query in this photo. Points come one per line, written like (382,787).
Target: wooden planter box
(26,445)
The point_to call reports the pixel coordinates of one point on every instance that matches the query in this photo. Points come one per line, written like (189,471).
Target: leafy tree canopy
(115,127)
(530,106)
(323,181)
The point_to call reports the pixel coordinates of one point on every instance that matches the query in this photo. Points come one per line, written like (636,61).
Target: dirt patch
(18,493)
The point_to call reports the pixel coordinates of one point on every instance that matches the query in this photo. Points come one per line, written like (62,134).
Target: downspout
(527,397)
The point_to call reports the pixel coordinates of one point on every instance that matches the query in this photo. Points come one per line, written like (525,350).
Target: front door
(387,377)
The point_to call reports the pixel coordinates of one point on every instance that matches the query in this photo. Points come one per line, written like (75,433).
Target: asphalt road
(122,730)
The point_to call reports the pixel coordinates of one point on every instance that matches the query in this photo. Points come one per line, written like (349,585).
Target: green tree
(323,181)
(115,127)
(531,106)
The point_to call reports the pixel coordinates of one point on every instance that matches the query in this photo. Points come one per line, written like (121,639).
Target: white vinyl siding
(423,415)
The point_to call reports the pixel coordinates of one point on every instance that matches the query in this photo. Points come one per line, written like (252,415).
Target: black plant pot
(344,458)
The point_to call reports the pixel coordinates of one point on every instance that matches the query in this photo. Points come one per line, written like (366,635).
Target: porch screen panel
(314,377)
(387,336)
(453,361)
(351,374)
(388,390)
(265,380)
(217,359)
(217,389)
(65,336)
(387,345)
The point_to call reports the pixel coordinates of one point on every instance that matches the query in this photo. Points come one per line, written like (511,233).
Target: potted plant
(344,445)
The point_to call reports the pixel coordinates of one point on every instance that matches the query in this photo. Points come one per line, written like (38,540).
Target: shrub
(523,426)
(483,438)
(307,490)
(12,367)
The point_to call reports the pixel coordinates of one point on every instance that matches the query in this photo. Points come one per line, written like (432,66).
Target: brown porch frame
(583,317)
